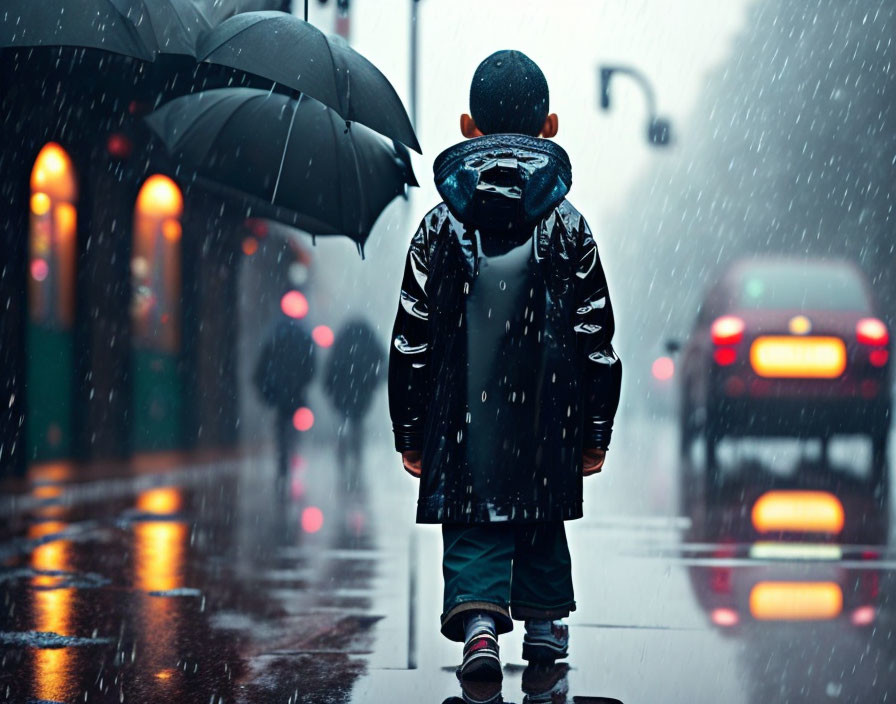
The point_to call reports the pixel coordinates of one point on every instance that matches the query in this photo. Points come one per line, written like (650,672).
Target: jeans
(507,570)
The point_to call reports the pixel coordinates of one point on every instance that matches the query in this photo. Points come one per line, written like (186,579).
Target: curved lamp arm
(658,129)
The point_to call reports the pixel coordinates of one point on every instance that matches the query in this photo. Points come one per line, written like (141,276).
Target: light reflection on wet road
(199,584)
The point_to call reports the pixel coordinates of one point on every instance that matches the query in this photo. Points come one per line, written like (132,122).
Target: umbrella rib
(132,30)
(229,39)
(363,209)
(338,171)
(343,112)
(190,39)
(285,147)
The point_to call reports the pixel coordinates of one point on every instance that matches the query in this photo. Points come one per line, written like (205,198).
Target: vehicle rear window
(806,287)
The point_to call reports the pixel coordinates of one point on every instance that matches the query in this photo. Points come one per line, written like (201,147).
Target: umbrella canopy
(294,159)
(294,53)
(137,28)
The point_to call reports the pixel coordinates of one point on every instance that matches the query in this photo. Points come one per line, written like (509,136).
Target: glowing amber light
(807,357)
(162,501)
(160,554)
(66,218)
(799,325)
(160,196)
(796,601)
(47,491)
(40,203)
(51,611)
(53,174)
(799,511)
(171,230)
(250,246)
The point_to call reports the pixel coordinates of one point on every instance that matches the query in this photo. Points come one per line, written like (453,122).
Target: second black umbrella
(283,48)
(294,159)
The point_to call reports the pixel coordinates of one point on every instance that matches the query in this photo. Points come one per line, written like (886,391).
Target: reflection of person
(284,369)
(503,382)
(350,379)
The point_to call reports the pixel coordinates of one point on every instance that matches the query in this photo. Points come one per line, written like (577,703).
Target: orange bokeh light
(796,601)
(798,511)
(171,230)
(40,203)
(250,246)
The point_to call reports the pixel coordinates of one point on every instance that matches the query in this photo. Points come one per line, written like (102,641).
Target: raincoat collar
(502,181)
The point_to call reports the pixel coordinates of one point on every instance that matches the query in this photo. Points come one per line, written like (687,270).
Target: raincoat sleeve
(409,351)
(594,325)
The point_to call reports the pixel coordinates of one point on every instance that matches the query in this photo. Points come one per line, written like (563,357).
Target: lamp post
(659,129)
(413,50)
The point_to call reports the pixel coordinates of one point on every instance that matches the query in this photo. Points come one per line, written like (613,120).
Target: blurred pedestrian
(503,382)
(353,372)
(283,372)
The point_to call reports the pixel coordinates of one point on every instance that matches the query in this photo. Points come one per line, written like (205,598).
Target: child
(503,382)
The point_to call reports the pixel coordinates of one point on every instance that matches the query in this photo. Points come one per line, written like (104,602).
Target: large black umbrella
(294,53)
(138,28)
(293,159)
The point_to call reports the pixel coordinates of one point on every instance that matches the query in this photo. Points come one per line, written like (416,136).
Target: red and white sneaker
(481,659)
(543,647)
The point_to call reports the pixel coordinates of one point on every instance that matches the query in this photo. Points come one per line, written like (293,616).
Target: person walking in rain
(503,382)
(283,372)
(352,374)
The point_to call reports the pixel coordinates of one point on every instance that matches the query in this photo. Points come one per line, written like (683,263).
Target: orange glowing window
(156,266)
(798,357)
(51,239)
(796,601)
(798,511)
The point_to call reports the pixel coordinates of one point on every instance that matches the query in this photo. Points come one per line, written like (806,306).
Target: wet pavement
(211,583)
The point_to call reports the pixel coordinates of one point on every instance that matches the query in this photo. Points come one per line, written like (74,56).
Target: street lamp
(413,61)
(659,129)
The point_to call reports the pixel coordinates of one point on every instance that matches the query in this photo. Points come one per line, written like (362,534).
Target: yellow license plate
(796,601)
(798,357)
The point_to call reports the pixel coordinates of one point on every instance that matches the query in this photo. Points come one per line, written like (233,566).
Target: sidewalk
(626,641)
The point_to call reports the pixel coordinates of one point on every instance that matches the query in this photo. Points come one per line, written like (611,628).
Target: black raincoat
(501,367)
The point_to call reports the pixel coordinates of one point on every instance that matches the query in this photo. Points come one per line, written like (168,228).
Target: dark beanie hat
(509,93)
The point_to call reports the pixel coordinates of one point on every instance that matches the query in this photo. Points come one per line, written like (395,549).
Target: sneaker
(547,647)
(481,692)
(545,684)
(481,660)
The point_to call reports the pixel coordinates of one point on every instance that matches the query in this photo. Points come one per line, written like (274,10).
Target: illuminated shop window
(51,239)
(155,265)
